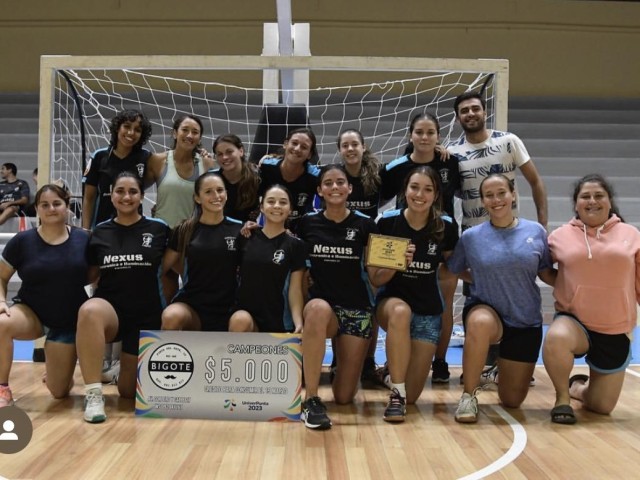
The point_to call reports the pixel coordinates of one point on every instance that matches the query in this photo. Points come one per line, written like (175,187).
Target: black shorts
(129,327)
(211,319)
(607,353)
(519,344)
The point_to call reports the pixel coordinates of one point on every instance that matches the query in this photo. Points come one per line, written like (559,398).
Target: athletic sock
(401,389)
(93,386)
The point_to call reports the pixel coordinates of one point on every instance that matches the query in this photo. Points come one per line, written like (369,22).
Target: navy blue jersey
(211,268)
(103,168)
(358,200)
(302,189)
(129,258)
(230,208)
(265,267)
(14,191)
(336,255)
(393,175)
(418,285)
(53,276)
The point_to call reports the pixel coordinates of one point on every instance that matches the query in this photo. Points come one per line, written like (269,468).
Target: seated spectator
(14,193)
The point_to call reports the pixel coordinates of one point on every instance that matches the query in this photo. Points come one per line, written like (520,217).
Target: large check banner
(218,375)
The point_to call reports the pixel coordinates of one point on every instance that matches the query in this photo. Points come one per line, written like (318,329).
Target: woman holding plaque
(203,249)
(272,266)
(126,253)
(340,302)
(409,304)
(505,255)
(424,149)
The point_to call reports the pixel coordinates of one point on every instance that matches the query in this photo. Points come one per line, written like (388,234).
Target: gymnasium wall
(555,48)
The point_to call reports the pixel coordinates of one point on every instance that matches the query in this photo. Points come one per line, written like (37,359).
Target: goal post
(80,94)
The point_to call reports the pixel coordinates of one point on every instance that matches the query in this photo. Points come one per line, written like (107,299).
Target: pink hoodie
(598,274)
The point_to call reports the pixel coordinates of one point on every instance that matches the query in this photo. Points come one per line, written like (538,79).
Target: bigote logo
(170,366)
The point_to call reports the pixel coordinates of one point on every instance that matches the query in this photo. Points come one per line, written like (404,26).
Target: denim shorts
(60,335)
(426,328)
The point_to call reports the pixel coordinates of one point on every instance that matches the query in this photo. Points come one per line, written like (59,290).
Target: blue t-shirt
(504,263)
(53,276)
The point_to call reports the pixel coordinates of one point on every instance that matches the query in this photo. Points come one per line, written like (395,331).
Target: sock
(401,389)
(93,386)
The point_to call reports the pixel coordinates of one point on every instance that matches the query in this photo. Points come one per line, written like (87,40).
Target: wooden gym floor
(510,444)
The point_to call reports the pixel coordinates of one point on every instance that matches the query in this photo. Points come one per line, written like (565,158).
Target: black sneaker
(314,414)
(396,410)
(370,377)
(440,371)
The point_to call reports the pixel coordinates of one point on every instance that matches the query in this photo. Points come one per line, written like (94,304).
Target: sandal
(563,414)
(578,378)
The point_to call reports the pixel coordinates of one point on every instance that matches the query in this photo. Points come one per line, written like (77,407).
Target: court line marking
(518,445)
(633,372)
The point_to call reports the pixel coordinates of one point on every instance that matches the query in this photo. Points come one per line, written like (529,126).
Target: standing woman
(424,138)
(241,178)
(341,298)
(51,263)
(125,252)
(293,170)
(203,249)
(597,291)
(272,266)
(129,130)
(505,255)
(175,171)
(363,170)
(409,303)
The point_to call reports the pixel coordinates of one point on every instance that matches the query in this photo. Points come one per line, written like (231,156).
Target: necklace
(513,223)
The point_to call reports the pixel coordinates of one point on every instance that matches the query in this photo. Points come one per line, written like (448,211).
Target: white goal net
(378,96)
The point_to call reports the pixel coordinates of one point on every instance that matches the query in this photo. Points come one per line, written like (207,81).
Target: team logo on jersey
(170,366)
(302,199)
(147,238)
(231,243)
(444,175)
(432,248)
(278,256)
(529,240)
(351,234)
(140,168)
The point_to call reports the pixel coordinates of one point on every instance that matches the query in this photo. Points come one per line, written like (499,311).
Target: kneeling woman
(596,293)
(505,256)
(341,298)
(127,253)
(409,304)
(272,267)
(51,263)
(203,249)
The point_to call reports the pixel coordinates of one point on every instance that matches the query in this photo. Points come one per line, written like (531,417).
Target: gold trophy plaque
(387,252)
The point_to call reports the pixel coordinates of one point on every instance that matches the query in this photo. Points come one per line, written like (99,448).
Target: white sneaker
(467,411)
(457,336)
(94,407)
(111,374)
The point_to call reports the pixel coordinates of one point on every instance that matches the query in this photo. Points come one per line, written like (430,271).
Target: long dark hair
(249,177)
(435,224)
(370,167)
(185,229)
